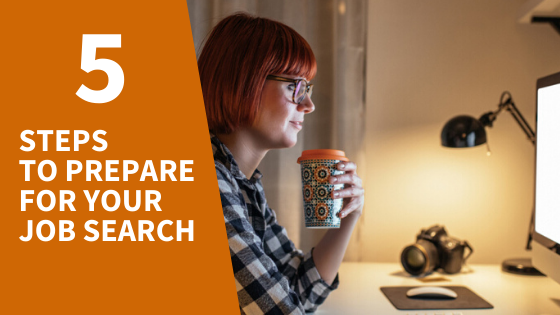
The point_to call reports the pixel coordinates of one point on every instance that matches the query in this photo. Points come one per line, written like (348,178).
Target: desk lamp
(467,131)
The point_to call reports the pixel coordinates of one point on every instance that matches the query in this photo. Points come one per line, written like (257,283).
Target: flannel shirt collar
(223,155)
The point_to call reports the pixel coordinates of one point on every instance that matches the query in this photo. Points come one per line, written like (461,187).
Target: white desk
(510,294)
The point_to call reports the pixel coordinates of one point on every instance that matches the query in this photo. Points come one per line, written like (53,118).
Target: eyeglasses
(302,87)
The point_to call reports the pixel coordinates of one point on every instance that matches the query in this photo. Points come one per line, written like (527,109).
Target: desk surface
(510,294)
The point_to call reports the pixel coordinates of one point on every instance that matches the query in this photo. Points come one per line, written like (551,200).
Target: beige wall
(428,61)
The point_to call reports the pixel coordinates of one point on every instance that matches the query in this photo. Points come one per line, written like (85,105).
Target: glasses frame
(308,88)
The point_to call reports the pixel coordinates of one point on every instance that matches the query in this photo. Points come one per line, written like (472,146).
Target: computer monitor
(546,244)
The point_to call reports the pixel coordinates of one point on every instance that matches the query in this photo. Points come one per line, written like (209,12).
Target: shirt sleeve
(300,269)
(281,282)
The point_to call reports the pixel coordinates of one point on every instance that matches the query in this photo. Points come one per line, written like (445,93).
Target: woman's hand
(328,254)
(353,192)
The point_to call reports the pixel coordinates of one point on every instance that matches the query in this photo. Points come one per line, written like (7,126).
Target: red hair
(238,55)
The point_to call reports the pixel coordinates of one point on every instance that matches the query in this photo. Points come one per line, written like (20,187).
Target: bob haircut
(238,55)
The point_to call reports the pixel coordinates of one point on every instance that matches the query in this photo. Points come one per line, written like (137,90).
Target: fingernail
(342,166)
(335,194)
(342,214)
(339,214)
(334,179)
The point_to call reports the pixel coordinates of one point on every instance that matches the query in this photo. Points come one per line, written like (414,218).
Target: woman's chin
(282,140)
(288,142)
(292,144)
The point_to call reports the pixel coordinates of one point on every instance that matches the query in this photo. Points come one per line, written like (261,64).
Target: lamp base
(520,266)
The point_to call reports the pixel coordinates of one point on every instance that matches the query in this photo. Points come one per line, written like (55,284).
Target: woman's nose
(307,105)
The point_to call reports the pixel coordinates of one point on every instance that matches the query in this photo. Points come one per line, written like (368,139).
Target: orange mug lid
(326,154)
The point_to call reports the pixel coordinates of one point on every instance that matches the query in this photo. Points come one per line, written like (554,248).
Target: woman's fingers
(348,192)
(353,193)
(346,166)
(348,178)
(353,205)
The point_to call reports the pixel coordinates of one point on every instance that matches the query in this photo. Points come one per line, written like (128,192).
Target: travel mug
(317,166)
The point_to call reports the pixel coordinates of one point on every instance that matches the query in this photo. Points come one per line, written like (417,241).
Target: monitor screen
(546,256)
(547,203)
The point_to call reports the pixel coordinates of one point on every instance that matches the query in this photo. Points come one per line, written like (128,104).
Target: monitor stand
(520,266)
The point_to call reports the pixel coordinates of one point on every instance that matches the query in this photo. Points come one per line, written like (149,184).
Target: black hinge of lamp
(553,21)
(508,104)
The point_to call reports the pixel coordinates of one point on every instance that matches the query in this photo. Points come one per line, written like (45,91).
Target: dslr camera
(434,249)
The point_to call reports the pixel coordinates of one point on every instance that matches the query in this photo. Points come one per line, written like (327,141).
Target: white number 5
(115,73)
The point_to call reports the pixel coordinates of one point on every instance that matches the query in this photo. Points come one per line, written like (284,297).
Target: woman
(254,74)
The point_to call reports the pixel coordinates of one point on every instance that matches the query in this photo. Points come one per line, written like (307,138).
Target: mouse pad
(466,299)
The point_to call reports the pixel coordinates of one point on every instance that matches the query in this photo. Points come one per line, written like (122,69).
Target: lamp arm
(531,230)
(510,107)
(488,118)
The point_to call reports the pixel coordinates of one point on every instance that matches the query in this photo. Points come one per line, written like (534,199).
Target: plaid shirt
(271,275)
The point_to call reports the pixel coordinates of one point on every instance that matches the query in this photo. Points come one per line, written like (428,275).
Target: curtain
(336,31)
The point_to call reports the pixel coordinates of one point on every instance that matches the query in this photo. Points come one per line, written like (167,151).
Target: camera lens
(420,258)
(415,259)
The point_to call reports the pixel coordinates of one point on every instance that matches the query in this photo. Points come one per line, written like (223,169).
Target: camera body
(435,249)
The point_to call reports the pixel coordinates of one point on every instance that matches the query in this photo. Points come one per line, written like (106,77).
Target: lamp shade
(463,132)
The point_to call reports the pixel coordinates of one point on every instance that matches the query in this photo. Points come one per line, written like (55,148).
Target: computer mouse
(431,293)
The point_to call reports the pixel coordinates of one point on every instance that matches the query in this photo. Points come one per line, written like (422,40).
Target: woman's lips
(297,124)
